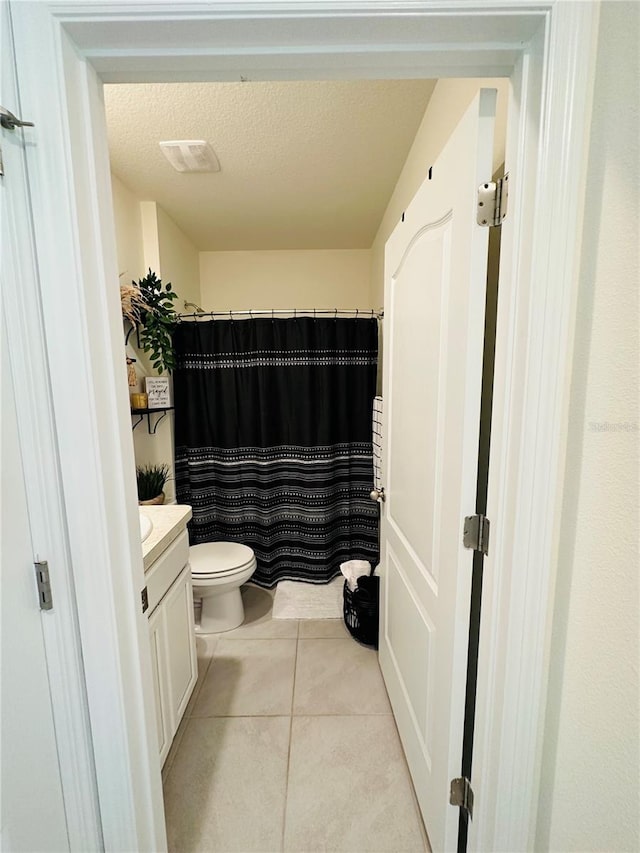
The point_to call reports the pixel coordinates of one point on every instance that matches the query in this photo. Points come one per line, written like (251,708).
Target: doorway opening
(551,44)
(280,226)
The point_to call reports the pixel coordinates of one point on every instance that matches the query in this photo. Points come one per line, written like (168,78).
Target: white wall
(590,795)
(126,208)
(148,238)
(179,260)
(446,106)
(168,252)
(331,278)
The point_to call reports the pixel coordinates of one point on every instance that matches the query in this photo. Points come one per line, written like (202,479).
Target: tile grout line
(193,701)
(187,719)
(414,796)
(276,715)
(197,692)
(289,818)
(286,780)
(168,765)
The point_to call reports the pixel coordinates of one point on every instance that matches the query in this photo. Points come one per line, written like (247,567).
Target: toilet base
(221,612)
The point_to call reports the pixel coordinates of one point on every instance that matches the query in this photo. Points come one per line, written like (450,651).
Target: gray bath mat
(294,600)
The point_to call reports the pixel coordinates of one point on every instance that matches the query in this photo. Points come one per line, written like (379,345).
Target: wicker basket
(361,607)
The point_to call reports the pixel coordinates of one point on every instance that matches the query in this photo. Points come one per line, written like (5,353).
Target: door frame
(65,50)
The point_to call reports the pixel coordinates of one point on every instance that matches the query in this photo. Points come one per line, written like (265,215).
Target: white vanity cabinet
(172,637)
(157,636)
(182,661)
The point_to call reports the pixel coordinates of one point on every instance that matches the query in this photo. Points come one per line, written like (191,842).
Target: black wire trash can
(361,608)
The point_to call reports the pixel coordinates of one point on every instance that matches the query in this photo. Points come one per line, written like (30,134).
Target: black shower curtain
(273,440)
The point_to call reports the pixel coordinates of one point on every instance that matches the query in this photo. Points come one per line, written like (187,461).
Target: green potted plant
(151,480)
(148,306)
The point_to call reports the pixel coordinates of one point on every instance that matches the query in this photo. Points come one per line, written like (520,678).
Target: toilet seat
(218,570)
(212,560)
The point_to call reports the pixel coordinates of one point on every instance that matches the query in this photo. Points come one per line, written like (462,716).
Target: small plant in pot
(151,480)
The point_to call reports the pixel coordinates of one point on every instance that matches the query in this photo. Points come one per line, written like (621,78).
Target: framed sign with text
(157,388)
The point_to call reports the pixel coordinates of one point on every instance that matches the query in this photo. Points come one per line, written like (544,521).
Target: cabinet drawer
(166,569)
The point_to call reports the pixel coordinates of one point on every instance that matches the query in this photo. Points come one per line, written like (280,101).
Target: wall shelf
(149,412)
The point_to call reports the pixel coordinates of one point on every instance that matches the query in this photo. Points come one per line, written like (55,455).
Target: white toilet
(218,569)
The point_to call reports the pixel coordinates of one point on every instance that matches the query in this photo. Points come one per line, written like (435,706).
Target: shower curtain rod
(198,313)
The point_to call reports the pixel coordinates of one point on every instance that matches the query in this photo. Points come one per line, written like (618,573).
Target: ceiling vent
(190,155)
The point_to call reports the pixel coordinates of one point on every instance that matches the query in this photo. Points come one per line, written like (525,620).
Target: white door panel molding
(435,284)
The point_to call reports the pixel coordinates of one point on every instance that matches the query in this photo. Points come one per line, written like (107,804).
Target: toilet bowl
(218,569)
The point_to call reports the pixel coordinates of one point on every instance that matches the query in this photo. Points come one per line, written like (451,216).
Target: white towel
(354,569)
(377,442)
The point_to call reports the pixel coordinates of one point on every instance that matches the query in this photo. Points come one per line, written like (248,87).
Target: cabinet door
(157,639)
(182,660)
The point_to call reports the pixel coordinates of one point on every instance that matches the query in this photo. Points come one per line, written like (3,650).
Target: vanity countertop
(168,521)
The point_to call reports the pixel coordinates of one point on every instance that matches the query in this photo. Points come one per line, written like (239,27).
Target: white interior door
(33,812)
(32,808)
(435,278)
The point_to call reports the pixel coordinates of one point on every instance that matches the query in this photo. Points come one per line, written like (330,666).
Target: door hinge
(492,202)
(461,794)
(44,585)
(475,534)
(144,595)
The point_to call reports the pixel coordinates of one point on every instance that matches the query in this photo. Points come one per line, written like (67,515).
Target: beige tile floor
(288,744)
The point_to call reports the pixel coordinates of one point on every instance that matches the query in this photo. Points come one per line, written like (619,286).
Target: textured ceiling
(304,165)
